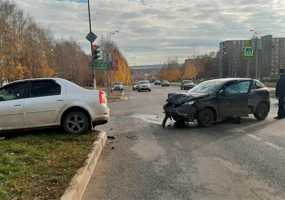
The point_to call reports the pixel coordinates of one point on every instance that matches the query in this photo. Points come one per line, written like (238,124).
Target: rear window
(45,88)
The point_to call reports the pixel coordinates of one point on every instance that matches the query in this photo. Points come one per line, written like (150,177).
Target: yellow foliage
(170,73)
(122,72)
(47,71)
(190,71)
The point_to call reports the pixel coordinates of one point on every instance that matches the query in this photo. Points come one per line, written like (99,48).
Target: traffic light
(95,52)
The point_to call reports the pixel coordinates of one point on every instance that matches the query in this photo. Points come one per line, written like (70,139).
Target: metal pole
(90,29)
(256,58)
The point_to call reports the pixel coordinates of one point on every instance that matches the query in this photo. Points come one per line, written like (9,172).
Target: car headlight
(190,102)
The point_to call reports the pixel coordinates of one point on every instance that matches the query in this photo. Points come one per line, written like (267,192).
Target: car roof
(37,79)
(232,79)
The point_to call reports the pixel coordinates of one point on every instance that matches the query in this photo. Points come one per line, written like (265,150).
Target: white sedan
(51,102)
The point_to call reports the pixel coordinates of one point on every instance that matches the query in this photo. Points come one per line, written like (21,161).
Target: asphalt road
(227,161)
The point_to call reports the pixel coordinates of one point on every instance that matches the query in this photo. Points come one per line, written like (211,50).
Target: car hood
(178,99)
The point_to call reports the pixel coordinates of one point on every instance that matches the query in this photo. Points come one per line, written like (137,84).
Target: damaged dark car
(216,100)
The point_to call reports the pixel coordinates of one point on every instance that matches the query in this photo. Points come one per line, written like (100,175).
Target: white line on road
(274,146)
(154,119)
(259,139)
(255,137)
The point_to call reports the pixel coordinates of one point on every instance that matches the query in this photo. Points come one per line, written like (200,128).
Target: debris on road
(111,137)
(132,137)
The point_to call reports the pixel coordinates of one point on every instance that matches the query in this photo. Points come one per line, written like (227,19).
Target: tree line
(201,67)
(29,51)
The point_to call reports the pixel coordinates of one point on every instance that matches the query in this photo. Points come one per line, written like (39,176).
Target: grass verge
(39,165)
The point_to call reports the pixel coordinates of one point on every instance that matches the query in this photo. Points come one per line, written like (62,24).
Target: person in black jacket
(280,94)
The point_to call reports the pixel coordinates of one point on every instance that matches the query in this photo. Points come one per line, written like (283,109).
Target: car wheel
(76,122)
(206,117)
(261,111)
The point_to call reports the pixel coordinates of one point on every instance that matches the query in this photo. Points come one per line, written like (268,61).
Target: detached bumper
(185,112)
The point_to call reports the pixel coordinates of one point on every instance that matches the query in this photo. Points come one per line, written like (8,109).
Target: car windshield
(187,82)
(144,82)
(207,87)
(72,84)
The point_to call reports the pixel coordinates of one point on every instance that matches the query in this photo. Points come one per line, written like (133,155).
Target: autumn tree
(171,71)
(119,70)
(28,51)
(190,70)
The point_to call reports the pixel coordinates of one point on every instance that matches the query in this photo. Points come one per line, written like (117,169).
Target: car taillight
(102,97)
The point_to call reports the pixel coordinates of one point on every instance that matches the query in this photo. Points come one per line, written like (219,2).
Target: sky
(151,31)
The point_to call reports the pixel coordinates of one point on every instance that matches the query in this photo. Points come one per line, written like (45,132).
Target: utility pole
(255,38)
(256,58)
(91,47)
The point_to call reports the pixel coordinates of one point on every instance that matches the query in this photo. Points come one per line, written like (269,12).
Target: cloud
(152,30)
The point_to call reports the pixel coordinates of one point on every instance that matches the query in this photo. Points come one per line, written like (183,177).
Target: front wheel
(76,122)
(261,111)
(206,117)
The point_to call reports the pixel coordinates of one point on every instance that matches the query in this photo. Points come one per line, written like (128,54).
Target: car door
(12,98)
(233,99)
(45,101)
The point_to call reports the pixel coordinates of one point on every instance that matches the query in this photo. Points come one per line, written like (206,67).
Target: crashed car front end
(181,107)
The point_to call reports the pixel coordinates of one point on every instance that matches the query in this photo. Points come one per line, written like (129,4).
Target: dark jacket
(280,87)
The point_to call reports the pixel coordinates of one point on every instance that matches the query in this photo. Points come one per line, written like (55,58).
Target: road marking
(255,137)
(153,119)
(274,146)
(259,139)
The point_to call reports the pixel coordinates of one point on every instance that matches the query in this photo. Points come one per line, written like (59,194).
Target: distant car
(118,87)
(165,83)
(157,82)
(37,103)
(216,100)
(144,86)
(187,85)
(135,86)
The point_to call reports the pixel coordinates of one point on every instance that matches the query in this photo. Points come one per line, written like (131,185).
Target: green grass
(39,165)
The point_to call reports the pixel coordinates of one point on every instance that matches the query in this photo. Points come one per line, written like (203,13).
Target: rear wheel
(76,122)
(206,117)
(261,111)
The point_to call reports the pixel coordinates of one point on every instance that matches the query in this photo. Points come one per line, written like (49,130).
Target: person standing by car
(280,94)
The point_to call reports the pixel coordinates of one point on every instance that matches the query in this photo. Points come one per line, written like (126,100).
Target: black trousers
(281,110)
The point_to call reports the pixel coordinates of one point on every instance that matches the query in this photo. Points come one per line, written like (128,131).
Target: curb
(81,179)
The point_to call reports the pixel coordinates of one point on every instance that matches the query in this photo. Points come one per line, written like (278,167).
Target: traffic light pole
(91,47)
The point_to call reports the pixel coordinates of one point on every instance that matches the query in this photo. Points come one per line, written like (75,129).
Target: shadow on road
(50,132)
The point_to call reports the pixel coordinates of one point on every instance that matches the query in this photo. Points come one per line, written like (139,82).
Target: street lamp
(255,38)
